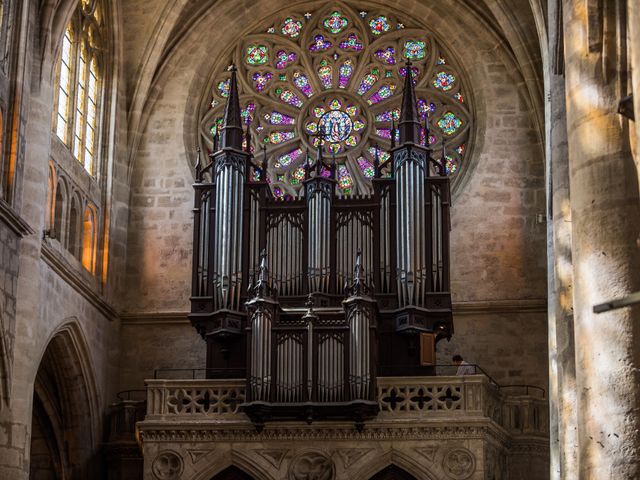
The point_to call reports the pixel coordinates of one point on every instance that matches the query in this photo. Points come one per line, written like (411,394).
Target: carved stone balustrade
(451,427)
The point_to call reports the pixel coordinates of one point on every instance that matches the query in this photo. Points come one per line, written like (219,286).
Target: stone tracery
(342,68)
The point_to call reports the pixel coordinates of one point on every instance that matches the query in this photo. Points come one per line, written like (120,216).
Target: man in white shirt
(464,368)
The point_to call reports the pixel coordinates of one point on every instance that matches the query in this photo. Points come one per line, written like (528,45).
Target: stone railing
(464,397)
(188,398)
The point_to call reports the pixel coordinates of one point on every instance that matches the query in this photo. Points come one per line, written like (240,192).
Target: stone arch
(60,210)
(409,463)
(64,423)
(393,472)
(231,461)
(232,473)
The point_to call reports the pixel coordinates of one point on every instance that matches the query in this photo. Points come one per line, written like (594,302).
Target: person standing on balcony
(464,368)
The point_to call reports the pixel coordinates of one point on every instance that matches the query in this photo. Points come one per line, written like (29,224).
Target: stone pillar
(605,211)
(633,22)
(563,284)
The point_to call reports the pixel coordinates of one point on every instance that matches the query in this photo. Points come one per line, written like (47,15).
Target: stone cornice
(66,271)
(243,431)
(14,221)
(462,308)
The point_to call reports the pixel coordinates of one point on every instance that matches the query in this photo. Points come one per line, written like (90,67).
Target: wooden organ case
(311,299)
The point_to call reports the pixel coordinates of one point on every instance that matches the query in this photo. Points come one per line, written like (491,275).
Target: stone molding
(487,307)
(14,221)
(60,266)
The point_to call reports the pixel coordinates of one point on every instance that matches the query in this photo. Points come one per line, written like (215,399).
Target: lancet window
(340,69)
(80,78)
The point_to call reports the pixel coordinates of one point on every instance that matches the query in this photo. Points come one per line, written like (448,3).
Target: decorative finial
(358,287)
(198,167)
(232,124)
(409,124)
(443,160)
(247,137)
(393,133)
(376,161)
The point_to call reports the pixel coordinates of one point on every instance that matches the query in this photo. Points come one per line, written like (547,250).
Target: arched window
(89,238)
(74,227)
(60,208)
(341,69)
(79,84)
(51,181)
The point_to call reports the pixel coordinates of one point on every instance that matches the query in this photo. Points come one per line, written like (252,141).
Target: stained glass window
(340,72)
(79,84)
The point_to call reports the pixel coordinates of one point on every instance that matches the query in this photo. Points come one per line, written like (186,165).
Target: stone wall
(498,239)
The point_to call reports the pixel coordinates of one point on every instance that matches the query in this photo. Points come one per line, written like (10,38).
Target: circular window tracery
(339,69)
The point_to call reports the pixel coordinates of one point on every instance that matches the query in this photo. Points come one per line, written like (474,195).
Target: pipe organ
(312,298)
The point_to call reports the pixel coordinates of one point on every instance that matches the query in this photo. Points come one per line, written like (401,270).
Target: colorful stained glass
(458,96)
(223,88)
(216,126)
(297,176)
(387,55)
(344,179)
(271,30)
(289,97)
(449,123)
(337,125)
(425,107)
(288,158)
(386,133)
(441,61)
(325,172)
(247,113)
(414,50)
(351,43)
(346,70)
(320,44)
(444,81)
(256,174)
(379,25)
(318,111)
(335,104)
(368,81)
(432,138)
(416,72)
(382,155)
(385,92)
(291,28)
(351,141)
(283,77)
(450,165)
(284,59)
(366,167)
(260,80)
(302,82)
(257,55)
(335,148)
(358,125)
(311,128)
(278,193)
(389,115)
(276,138)
(277,118)
(325,73)
(461,149)
(335,22)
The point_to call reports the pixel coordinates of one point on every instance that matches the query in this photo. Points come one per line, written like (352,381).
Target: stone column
(605,211)
(563,284)
(633,22)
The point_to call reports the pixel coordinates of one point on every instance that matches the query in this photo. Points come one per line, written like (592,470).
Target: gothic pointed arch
(393,472)
(232,473)
(64,422)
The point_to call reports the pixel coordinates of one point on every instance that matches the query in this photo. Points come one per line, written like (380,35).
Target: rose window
(332,78)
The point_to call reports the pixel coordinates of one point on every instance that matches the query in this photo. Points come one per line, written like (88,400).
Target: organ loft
(311,299)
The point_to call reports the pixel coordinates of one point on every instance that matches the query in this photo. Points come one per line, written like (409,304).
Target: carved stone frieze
(312,465)
(273,456)
(350,456)
(167,466)
(459,464)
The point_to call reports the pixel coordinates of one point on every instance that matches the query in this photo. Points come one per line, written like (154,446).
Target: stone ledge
(60,266)
(462,308)
(14,221)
